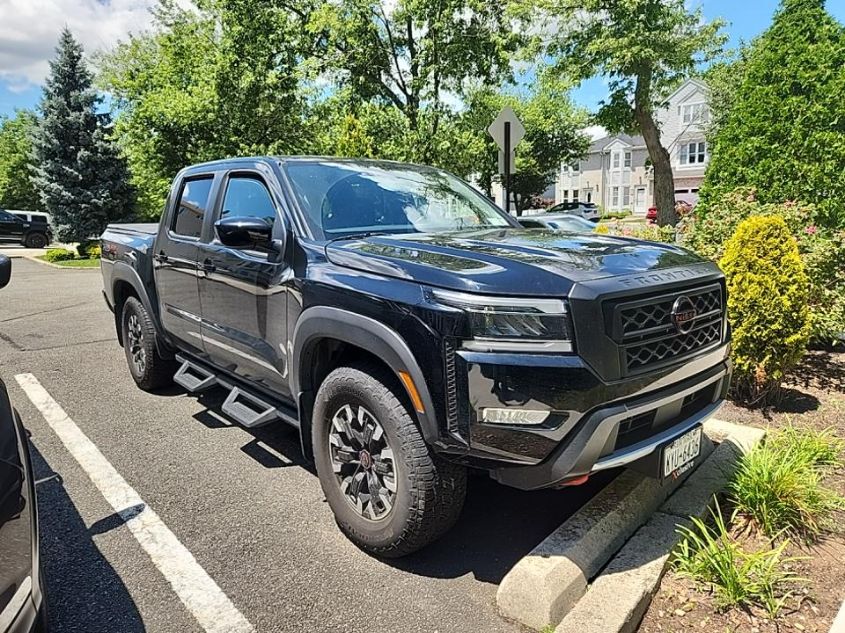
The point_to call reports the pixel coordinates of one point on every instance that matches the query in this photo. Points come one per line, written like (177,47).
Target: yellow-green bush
(767,305)
(59,255)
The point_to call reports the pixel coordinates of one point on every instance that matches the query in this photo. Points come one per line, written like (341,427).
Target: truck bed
(141,229)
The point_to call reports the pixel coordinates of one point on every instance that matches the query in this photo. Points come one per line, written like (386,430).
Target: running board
(193,377)
(249,410)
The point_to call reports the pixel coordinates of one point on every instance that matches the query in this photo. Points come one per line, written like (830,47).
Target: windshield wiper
(358,236)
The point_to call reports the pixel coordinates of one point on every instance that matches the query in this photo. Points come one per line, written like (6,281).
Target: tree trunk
(664,180)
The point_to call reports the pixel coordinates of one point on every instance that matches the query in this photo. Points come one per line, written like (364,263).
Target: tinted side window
(193,202)
(248,197)
(7,217)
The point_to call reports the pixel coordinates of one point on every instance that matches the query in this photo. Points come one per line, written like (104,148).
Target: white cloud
(29,30)
(595,132)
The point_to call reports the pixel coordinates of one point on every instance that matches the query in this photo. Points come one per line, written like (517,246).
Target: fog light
(520,417)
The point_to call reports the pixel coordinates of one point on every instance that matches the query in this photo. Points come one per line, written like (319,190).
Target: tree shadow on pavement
(83,591)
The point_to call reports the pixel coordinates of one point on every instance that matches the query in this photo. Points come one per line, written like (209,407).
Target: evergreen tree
(782,131)
(80,176)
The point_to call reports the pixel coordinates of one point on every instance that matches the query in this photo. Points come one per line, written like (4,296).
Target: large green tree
(644,48)
(221,79)
(782,129)
(553,134)
(16,188)
(79,173)
(411,62)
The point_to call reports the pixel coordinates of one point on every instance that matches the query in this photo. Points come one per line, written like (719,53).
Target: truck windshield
(346,199)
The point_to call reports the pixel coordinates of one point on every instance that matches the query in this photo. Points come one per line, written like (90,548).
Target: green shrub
(767,306)
(711,557)
(615,215)
(824,259)
(59,255)
(779,484)
(714,222)
(89,249)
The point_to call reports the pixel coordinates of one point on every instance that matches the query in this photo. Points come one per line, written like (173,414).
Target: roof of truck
(286,159)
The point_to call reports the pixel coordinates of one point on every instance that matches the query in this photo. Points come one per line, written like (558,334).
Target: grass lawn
(75,263)
(814,399)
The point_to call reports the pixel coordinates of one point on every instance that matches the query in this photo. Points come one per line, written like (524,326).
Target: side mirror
(5,270)
(244,232)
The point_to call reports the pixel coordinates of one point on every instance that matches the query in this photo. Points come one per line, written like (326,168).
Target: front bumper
(598,443)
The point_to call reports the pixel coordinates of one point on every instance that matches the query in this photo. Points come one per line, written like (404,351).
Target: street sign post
(507,130)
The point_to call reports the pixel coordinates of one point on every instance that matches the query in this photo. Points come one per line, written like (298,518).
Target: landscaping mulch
(814,397)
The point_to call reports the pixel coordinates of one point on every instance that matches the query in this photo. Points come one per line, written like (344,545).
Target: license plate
(679,454)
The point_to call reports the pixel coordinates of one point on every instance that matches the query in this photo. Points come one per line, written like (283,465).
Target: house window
(615,160)
(626,196)
(628,159)
(574,195)
(566,195)
(614,197)
(576,167)
(693,153)
(695,112)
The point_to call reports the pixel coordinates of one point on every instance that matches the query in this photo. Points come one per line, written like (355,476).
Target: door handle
(160,257)
(208,266)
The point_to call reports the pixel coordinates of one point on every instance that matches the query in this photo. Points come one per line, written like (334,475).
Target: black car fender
(322,322)
(123,272)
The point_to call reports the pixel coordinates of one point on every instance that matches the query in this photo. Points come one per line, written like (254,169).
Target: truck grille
(648,336)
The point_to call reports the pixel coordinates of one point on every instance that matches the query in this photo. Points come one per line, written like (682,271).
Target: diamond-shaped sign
(497,128)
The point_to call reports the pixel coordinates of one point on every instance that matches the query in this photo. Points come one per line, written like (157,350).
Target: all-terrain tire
(36,240)
(430,492)
(149,370)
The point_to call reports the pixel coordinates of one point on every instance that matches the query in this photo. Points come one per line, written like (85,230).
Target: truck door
(175,261)
(244,291)
(11,227)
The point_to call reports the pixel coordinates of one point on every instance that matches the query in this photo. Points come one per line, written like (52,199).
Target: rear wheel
(147,367)
(389,493)
(36,240)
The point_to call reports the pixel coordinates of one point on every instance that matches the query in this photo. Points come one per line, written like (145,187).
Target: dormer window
(694,113)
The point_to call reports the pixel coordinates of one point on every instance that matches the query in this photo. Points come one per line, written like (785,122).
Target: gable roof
(698,83)
(600,144)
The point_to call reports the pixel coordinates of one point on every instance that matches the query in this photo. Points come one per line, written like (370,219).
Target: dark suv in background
(24,227)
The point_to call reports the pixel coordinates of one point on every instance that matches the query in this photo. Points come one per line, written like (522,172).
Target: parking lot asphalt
(243,502)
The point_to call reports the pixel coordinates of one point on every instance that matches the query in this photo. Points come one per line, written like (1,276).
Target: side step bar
(248,410)
(245,408)
(193,377)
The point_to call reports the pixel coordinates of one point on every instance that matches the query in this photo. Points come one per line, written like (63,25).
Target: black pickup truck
(410,329)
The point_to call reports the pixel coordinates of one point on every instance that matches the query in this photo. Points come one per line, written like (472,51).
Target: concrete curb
(547,583)
(619,597)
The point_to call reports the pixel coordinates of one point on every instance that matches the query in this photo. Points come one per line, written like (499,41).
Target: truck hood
(534,262)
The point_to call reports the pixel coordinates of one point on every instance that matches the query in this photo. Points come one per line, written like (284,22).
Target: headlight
(510,323)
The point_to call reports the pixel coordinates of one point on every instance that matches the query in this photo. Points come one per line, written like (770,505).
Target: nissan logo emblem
(683,314)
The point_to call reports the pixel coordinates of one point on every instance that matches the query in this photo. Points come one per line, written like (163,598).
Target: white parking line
(195,588)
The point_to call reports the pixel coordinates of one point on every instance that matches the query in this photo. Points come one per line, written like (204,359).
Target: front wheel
(36,240)
(389,493)
(149,370)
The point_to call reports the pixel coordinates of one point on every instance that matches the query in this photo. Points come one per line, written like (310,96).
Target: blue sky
(26,44)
